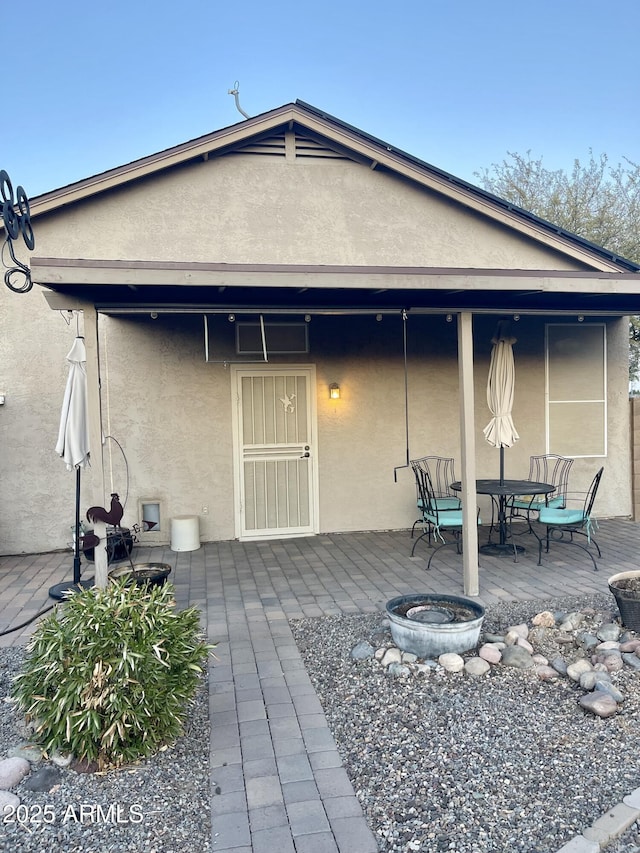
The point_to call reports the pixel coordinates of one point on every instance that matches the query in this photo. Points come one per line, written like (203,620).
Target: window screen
(576,389)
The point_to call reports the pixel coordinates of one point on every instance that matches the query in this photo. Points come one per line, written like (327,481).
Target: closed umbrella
(73,444)
(501,431)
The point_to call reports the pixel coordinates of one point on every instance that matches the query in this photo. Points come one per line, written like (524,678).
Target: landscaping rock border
(586,646)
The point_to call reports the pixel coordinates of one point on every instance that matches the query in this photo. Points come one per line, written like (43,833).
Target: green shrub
(110,673)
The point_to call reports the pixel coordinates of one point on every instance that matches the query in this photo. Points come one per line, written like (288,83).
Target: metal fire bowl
(429,639)
(153,574)
(431,615)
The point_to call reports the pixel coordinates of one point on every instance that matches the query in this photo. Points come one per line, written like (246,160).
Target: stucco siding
(249,209)
(171,412)
(36,493)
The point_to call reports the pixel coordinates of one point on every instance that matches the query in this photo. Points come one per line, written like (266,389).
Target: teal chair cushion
(449,518)
(551,515)
(448,503)
(522,502)
(444,503)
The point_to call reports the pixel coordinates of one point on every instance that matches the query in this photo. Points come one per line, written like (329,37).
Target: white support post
(95,439)
(468,455)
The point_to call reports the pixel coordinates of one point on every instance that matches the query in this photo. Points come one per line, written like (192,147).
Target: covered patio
(247,593)
(459,300)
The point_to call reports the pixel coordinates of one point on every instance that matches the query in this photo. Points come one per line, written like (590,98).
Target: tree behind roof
(595,201)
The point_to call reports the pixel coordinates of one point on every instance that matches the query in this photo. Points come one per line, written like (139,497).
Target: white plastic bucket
(185,533)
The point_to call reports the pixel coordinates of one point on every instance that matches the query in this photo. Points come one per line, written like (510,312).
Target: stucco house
(224,285)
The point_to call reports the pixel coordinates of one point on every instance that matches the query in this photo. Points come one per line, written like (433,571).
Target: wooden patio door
(274,416)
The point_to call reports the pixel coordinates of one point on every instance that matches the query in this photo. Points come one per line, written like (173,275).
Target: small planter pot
(429,625)
(143,574)
(625,587)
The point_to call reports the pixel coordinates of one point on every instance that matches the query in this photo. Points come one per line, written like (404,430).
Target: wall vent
(307,147)
(280,338)
(300,146)
(272,145)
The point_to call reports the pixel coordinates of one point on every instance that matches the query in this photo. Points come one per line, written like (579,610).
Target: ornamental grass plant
(109,674)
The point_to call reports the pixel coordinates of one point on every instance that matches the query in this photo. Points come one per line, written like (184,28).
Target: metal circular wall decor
(16,218)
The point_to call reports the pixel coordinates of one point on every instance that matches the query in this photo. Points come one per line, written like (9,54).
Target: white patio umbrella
(73,442)
(501,431)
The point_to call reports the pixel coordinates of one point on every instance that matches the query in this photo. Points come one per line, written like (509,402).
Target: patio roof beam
(115,301)
(59,271)
(117,310)
(271,311)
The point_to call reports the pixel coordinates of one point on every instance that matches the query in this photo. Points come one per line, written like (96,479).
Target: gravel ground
(440,763)
(503,762)
(160,805)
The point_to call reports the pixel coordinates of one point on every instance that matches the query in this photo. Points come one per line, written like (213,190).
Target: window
(576,383)
(279,338)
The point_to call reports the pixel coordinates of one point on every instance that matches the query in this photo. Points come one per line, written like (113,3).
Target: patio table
(500,491)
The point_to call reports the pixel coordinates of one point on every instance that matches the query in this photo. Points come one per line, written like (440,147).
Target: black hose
(28,622)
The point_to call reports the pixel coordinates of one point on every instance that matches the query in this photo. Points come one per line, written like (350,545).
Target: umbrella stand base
(495,549)
(60,590)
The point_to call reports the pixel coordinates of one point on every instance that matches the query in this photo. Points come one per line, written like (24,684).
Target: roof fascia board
(52,272)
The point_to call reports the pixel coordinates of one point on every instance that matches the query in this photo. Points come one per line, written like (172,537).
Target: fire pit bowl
(429,625)
(151,574)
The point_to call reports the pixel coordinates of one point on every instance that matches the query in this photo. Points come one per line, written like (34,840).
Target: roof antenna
(234,92)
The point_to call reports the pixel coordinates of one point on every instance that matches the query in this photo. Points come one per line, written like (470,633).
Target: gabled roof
(354,143)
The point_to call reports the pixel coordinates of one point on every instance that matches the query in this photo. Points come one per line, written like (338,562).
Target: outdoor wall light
(516,317)
(580,318)
(449,318)
(231,318)
(334,391)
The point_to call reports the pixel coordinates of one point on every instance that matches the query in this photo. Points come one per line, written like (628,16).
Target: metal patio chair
(546,468)
(441,473)
(436,520)
(575,518)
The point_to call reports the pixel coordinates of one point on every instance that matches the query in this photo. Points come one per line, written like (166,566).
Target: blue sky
(88,87)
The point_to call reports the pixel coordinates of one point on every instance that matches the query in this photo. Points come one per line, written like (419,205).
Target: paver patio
(273,758)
